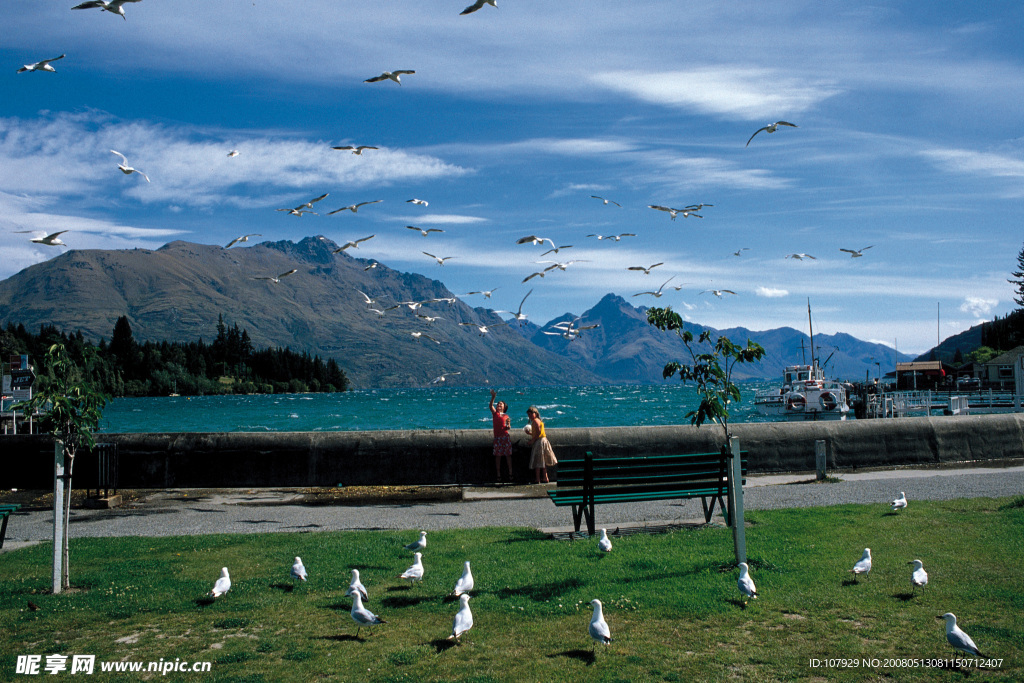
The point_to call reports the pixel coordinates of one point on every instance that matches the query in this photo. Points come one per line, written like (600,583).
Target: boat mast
(810,326)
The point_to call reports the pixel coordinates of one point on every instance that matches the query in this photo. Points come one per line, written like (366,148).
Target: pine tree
(1019,281)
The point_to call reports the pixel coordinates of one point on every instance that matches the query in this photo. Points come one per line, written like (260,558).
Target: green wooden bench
(5,512)
(584,483)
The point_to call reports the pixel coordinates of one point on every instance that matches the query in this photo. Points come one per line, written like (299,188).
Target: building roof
(925,367)
(1008,358)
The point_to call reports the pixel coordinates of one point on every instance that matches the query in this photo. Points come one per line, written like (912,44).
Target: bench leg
(581,512)
(3,530)
(708,511)
(577,514)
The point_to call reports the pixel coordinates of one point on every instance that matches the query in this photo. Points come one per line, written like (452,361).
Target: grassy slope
(673,613)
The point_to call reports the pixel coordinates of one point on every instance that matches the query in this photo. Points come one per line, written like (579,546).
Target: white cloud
(978,306)
(771,293)
(730,91)
(976,163)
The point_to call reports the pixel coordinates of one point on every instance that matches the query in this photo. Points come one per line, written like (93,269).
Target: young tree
(74,406)
(1019,281)
(711,372)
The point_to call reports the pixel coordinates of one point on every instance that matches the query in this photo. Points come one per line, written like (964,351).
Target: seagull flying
(305,208)
(863,565)
(417,335)
(353,245)
(483,329)
(51,240)
(555,250)
(440,259)
(478,4)
(464,617)
(233,153)
(562,266)
(43,65)
(486,293)
(361,615)
(740,251)
(534,240)
(606,201)
(771,128)
(604,545)
(223,584)
(657,294)
(112,6)
(465,582)
(745,583)
(957,638)
(424,232)
(395,76)
(356,586)
(354,208)
(299,570)
(355,150)
(418,545)
(415,572)
(800,257)
(443,378)
(614,238)
(424,202)
(125,168)
(647,269)
(687,212)
(243,238)
(900,502)
(278,278)
(718,292)
(599,630)
(856,253)
(519,315)
(919,577)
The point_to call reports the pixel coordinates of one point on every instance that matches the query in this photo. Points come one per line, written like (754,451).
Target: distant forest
(228,365)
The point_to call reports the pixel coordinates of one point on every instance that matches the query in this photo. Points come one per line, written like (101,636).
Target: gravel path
(180,512)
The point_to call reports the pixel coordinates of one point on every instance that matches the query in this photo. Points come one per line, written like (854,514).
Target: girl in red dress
(502,439)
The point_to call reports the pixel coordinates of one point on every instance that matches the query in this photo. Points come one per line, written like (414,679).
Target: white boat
(805,395)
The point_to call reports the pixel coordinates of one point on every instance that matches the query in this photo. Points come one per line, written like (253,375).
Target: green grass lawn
(670,600)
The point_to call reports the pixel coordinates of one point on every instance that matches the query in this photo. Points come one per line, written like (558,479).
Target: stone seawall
(460,456)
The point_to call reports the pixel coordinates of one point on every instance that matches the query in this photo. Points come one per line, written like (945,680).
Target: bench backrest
(685,470)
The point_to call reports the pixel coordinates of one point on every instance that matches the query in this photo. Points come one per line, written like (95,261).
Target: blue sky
(909,139)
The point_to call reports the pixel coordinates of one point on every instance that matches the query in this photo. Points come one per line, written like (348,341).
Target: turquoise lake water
(433,408)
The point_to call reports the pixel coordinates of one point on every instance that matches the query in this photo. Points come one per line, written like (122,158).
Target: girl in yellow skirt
(542,455)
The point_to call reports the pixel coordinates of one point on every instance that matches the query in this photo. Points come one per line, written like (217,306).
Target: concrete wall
(239,459)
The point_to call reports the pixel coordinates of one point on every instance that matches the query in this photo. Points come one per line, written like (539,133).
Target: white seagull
(51,240)
(125,168)
(657,294)
(112,6)
(740,251)
(305,208)
(465,582)
(278,278)
(445,376)
(606,201)
(233,153)
(354,149)
(800,257)
(519,315)
(487,293)
(243,238)
(43,65)
(418,545)
(424,232)
(478,4)
(647,269)
(746,584)
(361,615)
(771,128)
(863,565)
(395,76)
(855,253)
(356,587)
(957,638)
(919,577)
(354,208)
(900,502)
(353,245)
(562,266)
(415,572)
(440,259)
(687,212)
(223,584)
(556,249)
(533,239)
(718,292)
(483,329)
(430,319)
(463,618)
(299,570)
(599,630)
(366,297)
(423,202)
(614,238)
(604,545)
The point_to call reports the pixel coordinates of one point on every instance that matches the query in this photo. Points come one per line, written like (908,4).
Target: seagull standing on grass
(395,76)
(356,587)
(415,572)
(299,570)
(599,630)
(957,638)
(112,6)
(746,584)
(463,619)
(771,128)
(465,582)
(125,168)
(223,584)
(418,545)
(863,565)
(604,545)
(363,616)
(919,578)
(900,502)
(43,65)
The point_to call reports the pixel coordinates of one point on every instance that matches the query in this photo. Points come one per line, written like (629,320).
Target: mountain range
(178,291)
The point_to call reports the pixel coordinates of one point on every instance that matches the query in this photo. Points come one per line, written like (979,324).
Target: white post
(58,512)
(739,537)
